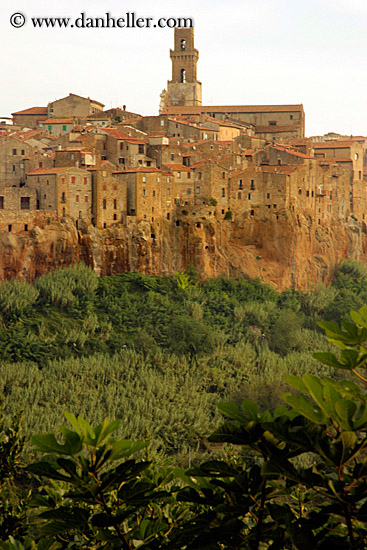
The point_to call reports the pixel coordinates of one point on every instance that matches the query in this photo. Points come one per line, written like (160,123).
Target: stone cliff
(286,251)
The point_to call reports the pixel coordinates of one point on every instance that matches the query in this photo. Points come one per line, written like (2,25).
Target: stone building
(73,106)
(109,196)
(29,118)
(150,193)
(13,152)
(66,190)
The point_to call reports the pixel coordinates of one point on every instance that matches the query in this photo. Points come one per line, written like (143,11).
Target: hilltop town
(236,190)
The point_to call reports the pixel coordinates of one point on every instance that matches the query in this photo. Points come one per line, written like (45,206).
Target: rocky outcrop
(286,250)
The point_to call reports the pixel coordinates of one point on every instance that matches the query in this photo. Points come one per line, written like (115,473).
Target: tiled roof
(144,169)
(333,144)
(294,153)
(32,111)
(233,109)
(50,171)
(178,167)
(58,121)
(283,170)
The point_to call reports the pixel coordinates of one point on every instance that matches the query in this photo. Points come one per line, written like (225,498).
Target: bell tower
(184,88)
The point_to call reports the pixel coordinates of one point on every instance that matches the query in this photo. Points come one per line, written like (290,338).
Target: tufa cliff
(286,252)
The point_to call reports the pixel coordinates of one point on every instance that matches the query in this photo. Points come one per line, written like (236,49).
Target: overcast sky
(251,52)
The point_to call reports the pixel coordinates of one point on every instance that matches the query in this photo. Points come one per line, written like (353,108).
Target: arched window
(183,44)
(183,76)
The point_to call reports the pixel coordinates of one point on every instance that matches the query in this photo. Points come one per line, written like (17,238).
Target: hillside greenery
(293,478)
(159,352)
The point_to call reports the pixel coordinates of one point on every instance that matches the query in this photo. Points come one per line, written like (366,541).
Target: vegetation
(158,353)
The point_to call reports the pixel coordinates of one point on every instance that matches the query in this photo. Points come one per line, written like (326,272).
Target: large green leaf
(47,443)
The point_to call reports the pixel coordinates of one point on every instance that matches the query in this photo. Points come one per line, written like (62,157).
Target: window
(188,175)
(64,127)
(153,193)
(239,194)
(252,212)
(272,122)
(183,45)
(359,175)
(104,187)
(141,149)
(86,198)
(63,199)
(249,196)
(240,186)
(76,198)
(115,217)
(104,204)
(162,122)
(355,156)
(25,227)
(189,191)
(121,145)
(178,175)
(144,192)
(115,204)
(290,117)
(300,191)
(274,205)
(183,76)
(307,193)
(14,151)
(115,187)
(252,185)
(197,190)
(172,156)
(121,160)
(50,128)
(223,175)
(144,179)
(22,152)
(168,216)
(199,175)
(13,167)
(72,179)
(85,181)
(1,203)
(63,212)
(62,180)
(268,195)
(10,227)
(223,192)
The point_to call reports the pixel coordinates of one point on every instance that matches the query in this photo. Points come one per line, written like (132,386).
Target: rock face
(287,252)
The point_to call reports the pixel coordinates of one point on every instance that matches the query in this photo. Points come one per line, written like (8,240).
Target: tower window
(183,76)
(183,45)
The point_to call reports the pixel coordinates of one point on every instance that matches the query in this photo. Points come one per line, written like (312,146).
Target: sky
(251,52)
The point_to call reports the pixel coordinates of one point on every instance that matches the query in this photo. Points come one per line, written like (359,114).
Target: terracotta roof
(58,121)
(233,109)
(199,163)
(294,153)
(50,171)
(144,169)
(32,111)
(178,167)
(119,134)
(332,144)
